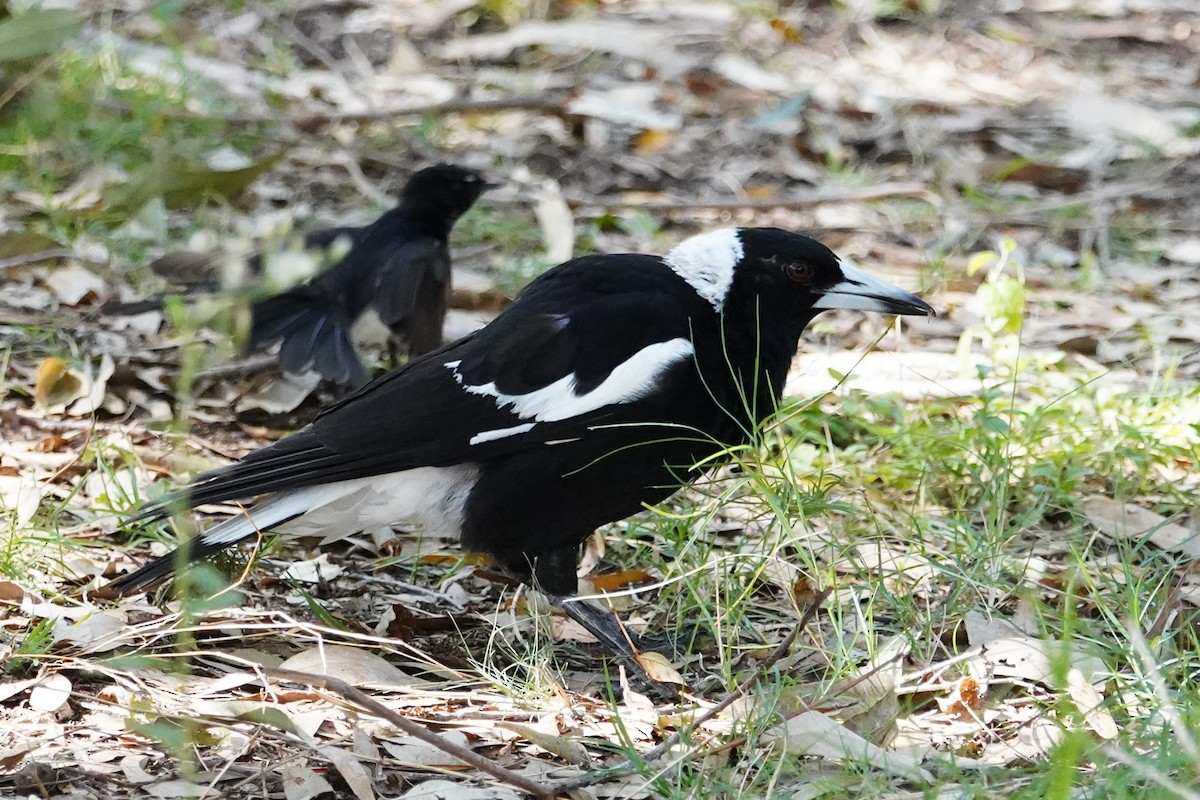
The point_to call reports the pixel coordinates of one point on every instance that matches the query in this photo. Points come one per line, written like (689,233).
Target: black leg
(603,624)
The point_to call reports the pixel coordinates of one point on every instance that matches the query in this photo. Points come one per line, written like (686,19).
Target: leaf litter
(627,101)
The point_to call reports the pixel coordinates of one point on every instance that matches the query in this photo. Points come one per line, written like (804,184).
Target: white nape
(707,263)
(630,380)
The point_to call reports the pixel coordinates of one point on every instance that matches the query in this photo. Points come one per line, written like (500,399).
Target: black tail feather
(164,567)
(315,332)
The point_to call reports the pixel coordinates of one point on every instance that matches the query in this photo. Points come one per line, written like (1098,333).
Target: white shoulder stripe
(707,263)
(500,433)
(631,380)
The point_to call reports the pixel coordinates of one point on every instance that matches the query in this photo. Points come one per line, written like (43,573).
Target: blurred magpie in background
(398,267)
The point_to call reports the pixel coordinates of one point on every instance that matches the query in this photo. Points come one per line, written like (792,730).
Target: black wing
(578,322)
(399,279)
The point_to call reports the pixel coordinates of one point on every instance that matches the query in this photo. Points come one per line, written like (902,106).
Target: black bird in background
(598,391)
(399,267)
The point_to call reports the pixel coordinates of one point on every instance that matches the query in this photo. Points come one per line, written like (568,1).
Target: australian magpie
(604,387)
(399,267)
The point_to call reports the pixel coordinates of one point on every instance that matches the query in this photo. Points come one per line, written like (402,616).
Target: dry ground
(997,499)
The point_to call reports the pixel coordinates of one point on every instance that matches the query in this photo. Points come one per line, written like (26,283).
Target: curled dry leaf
(50,693)
(55,383)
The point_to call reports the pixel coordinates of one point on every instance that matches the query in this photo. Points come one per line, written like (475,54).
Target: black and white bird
(600,390)
(398,267)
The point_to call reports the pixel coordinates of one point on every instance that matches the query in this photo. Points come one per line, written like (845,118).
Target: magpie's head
(783,272)
(449,188)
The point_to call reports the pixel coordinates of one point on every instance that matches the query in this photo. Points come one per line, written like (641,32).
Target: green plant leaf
(183,186)
(35,33)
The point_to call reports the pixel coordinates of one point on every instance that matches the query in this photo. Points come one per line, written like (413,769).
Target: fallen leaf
(416,753)
(814,734)
(50,693)
(351,664)
(20,496)
(449,790)
(283,394)
(626,105)
(302,783)
(313,570)
(356,775)
(55,384)
(1090,703)
(1129,521)
(564,747)
(73,284)
(658,668)
(99,628)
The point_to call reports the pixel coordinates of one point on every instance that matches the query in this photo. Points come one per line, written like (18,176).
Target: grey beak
(864,292)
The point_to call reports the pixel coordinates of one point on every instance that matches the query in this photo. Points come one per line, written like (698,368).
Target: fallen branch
(416,730)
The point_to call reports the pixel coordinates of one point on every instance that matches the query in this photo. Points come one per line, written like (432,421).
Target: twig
(237,368)
(33,258)
(364,700)
(463,105)
(806,200)
(631,765)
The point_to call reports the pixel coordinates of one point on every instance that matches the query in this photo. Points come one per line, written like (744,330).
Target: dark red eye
(801,272)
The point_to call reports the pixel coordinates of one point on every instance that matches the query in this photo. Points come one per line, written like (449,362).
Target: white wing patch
(707,263)
(631,380)
(431,498)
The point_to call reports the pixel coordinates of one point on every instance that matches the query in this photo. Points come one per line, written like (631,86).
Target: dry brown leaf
(1129,521)
(658,668)
(623,579)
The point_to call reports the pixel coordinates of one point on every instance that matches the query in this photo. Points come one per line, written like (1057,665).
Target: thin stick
(807,200)
(364,700)
(630,766)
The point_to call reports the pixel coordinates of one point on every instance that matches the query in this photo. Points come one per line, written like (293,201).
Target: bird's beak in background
(491,185)
(864,292)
